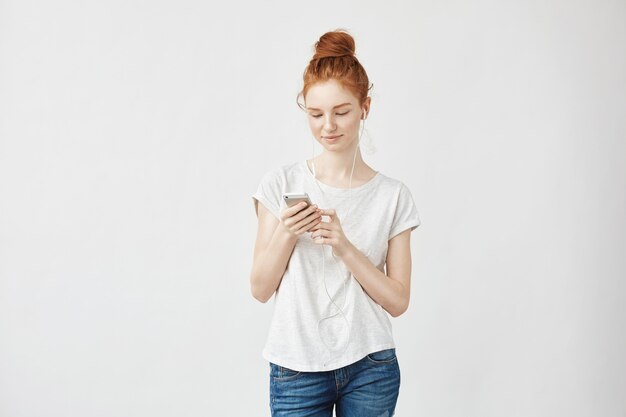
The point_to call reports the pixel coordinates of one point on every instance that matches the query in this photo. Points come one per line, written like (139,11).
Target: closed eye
(338,114)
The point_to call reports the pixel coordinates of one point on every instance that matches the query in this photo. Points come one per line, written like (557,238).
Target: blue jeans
(366,388)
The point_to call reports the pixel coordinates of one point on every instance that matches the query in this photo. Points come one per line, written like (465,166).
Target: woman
(330,341)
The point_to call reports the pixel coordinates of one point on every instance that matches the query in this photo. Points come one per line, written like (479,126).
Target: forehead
(328,94)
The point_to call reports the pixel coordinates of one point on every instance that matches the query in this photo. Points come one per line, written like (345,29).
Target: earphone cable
(340,310)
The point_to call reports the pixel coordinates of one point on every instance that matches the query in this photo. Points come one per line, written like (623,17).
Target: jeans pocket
(281,373)
(383,356)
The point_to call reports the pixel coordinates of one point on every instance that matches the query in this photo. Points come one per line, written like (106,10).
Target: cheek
(315,124)
(352,123)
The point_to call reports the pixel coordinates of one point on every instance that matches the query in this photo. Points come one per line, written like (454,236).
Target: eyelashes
(338,114)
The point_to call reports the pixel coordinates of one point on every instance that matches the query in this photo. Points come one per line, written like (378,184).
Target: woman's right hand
(297,219)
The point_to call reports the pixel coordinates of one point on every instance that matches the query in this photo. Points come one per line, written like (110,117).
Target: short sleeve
(269,193)
(406,215)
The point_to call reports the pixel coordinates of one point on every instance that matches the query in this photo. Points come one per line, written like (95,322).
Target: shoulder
(280,177)
(396,205)
(391,185)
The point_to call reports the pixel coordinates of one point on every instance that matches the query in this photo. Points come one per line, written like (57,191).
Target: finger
(301,220)
(321,233)
(299,207)
(323,240)
(304,213)
(307,222)
(308,227)
(292,211)
(323,226)
(330,213)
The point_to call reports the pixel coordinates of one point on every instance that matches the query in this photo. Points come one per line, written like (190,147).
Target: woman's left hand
(331,233)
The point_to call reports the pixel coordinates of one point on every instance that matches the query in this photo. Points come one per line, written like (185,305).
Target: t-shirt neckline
(340,191)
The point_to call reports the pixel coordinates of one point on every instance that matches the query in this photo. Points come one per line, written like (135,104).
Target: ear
(366,108)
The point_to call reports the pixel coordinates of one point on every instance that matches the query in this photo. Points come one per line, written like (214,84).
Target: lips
(331,137)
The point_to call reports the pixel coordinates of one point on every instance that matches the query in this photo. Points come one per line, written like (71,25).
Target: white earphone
(340,310)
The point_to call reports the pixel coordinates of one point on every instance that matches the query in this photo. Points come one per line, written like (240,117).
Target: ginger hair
(335,58)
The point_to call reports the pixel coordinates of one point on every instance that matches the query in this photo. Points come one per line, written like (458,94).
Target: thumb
(330,212)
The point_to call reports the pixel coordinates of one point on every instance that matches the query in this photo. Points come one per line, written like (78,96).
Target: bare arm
(391,290)
(274,245)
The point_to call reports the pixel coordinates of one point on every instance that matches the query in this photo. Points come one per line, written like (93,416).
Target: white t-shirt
(381,208)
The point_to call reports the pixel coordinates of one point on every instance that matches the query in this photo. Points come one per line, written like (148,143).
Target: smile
(331,138)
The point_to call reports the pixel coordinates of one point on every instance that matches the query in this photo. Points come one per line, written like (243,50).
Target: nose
(329,124)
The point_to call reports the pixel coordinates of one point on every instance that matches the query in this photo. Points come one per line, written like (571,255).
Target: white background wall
(133,133)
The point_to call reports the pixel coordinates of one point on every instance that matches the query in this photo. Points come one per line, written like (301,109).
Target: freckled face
(334,114)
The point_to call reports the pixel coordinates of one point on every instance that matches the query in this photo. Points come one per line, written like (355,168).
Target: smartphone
(291,199)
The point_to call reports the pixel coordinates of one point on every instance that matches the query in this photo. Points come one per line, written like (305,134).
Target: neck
(338,165)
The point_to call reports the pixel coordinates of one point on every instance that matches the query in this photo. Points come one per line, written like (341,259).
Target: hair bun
(342,65)
(337,43)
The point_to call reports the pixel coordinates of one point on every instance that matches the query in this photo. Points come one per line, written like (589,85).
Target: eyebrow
(338,105)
